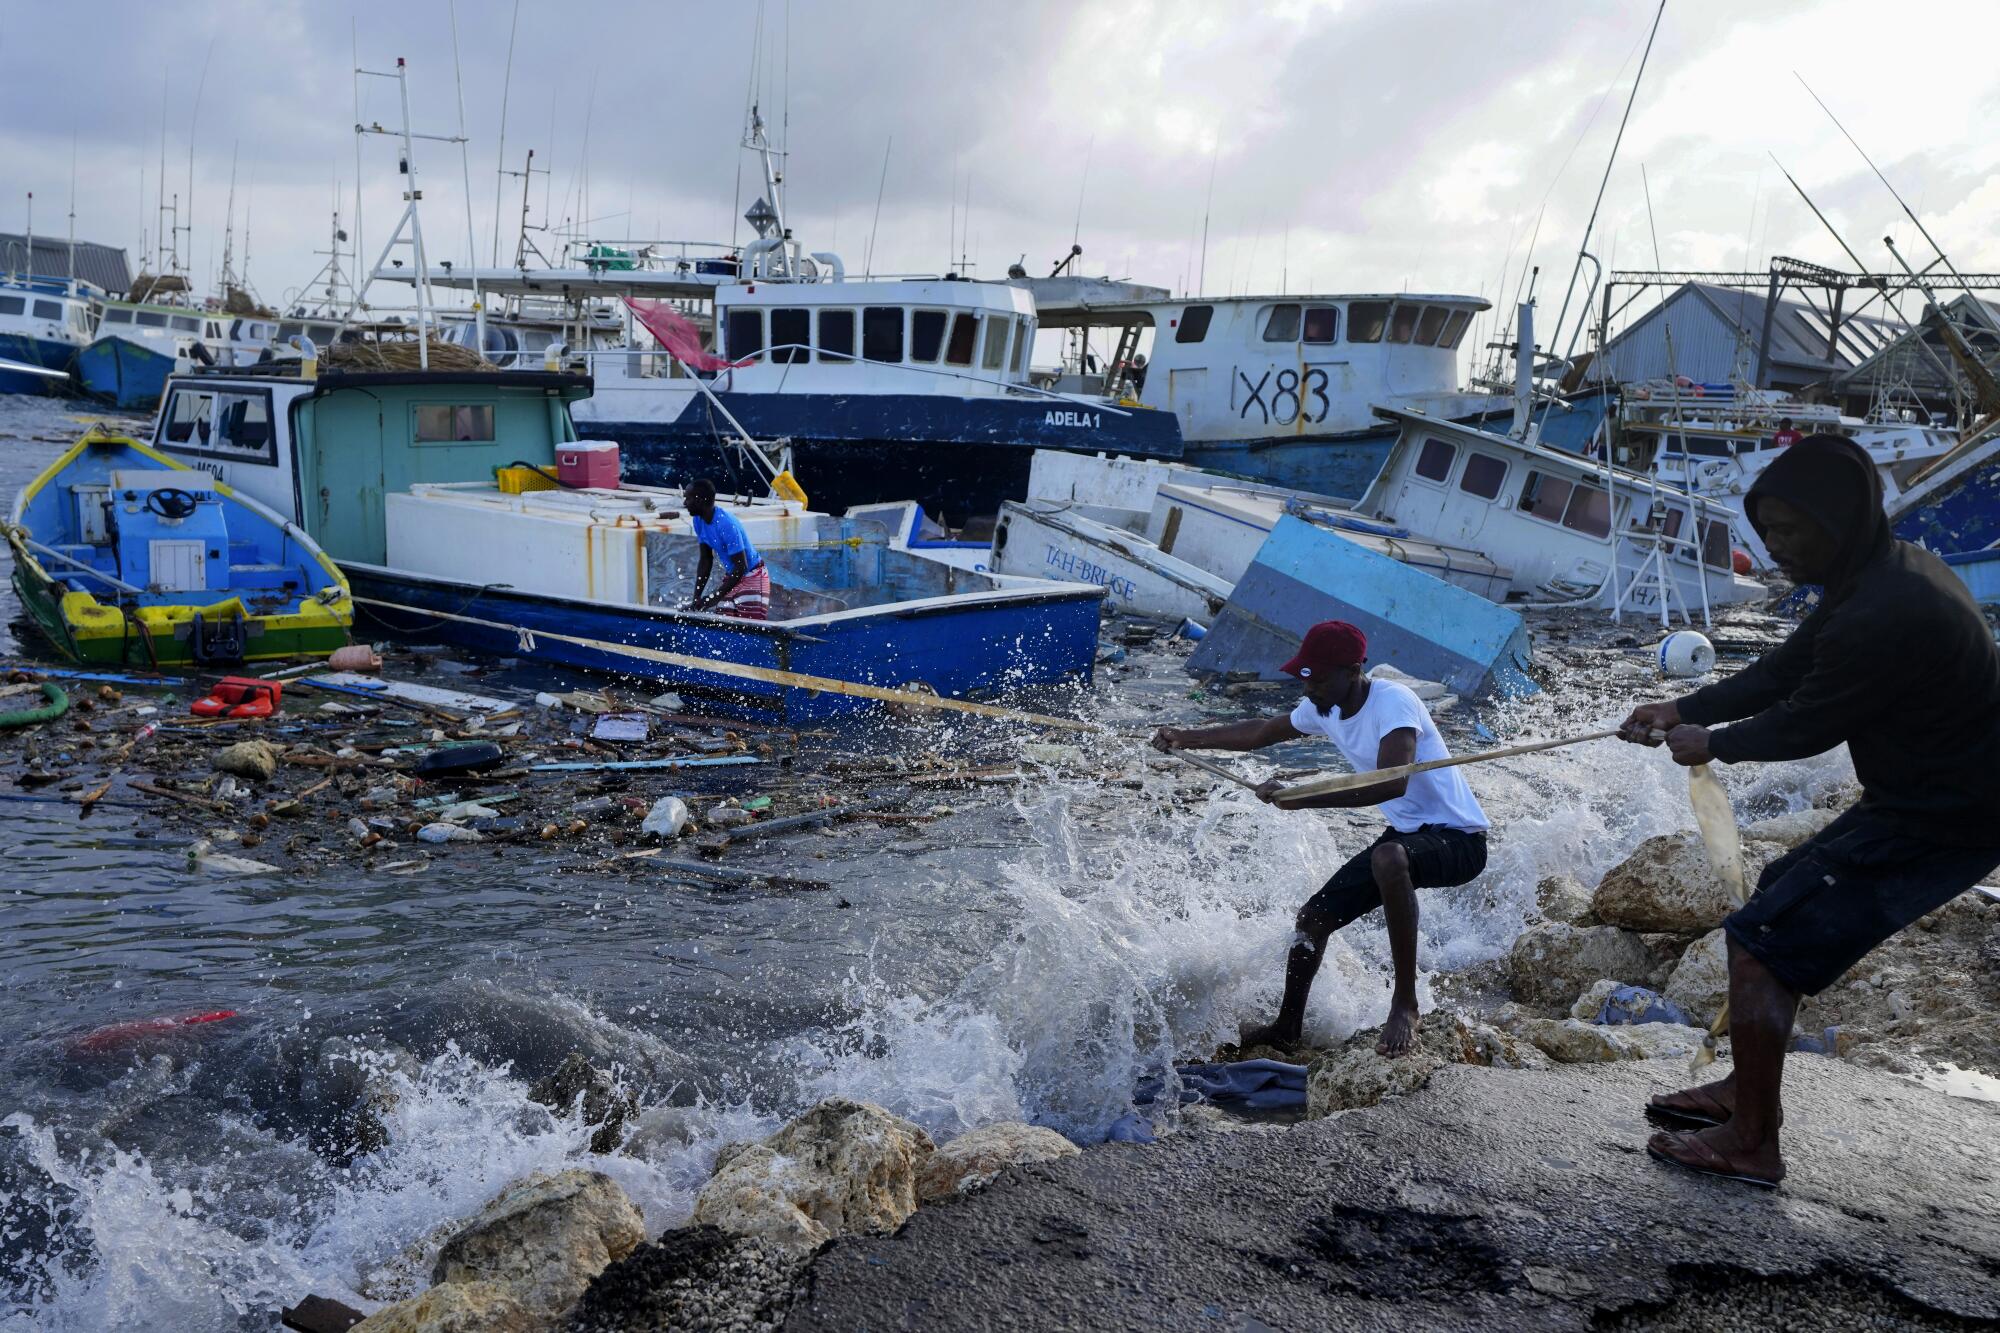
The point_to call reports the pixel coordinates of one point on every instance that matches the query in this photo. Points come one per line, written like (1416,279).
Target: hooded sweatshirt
(1896,661)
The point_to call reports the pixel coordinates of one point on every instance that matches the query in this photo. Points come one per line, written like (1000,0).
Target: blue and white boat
(138,345)
(883,388)
(44,324)
(1952,508)
(410,480)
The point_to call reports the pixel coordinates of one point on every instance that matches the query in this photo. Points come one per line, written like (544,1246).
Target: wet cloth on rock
(1253,1085)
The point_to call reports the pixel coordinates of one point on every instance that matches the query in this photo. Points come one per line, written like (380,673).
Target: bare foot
(1267,1034)
(1720,1151)
(1711,1103)
(1399,1034)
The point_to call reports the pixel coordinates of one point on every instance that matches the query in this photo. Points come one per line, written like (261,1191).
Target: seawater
(1036,955)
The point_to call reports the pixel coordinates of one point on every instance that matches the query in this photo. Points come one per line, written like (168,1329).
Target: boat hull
(110,638)
(46,353)
(958,647)
(959,457)
(123,373)
(1136,575)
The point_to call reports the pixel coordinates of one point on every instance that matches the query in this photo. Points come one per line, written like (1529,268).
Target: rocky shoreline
(1494,1174)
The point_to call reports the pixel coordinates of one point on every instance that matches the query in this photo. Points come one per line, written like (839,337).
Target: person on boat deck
(1436,836)
(1898,663)
(1785,437)
(745,591)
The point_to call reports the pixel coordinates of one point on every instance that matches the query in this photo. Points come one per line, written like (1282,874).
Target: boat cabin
(1248,368)
(1570,529)
(45,321)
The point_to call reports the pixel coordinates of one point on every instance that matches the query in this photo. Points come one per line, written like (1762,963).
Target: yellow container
(517,480)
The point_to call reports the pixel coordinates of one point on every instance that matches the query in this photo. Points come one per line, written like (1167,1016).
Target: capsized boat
(122,555)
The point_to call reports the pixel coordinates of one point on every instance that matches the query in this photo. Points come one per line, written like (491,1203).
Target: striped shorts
(750,599)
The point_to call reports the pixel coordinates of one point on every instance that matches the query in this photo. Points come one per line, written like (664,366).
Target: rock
(839,1168)
(1665,884)
(460,1307)
(1562,898)
(1571,1041)
(1789,830)
(1352,1075)
(1499,1049)
(544,1238)
(255,760)
(1592,1000)
(603,1102)
(690,1278)
(974,1158)
(1700,982)
(1549,966)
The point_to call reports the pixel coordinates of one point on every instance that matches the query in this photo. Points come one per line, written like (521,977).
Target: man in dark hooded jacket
(1898,663)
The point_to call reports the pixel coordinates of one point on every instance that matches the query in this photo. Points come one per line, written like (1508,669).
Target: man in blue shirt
(746,582)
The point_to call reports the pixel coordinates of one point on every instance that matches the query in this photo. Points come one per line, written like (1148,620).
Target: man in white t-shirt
(1436,836)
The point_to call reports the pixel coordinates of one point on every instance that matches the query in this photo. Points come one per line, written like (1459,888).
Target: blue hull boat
(958,456)
(1341,466)
(962,645)
(1422,625)
(123,373)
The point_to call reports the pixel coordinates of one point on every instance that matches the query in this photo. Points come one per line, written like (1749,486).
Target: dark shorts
(1440,857)
(1823,905)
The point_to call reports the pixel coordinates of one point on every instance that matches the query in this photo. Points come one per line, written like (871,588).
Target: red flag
(681,339)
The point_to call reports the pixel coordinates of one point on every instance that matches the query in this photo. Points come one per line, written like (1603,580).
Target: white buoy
(1686,653)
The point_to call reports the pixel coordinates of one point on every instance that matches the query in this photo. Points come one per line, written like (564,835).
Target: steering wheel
(170,502)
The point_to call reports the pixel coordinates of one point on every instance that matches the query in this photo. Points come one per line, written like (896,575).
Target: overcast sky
(1352,146)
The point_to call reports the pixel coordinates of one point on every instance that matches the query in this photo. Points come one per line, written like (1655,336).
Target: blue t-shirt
(725,537)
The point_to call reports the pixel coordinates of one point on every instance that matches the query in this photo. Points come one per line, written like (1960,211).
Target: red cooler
(590,463)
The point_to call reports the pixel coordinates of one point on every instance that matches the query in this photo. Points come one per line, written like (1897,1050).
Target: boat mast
(409,230)
(774,180)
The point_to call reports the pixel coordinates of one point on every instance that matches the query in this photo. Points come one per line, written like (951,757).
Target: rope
(744,671)
(57,705)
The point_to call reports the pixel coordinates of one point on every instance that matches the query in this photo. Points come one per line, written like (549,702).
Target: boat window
(791,331)
(187,418)
(964,336)
(214,330)
(1454,328)
(1366,320)
(1020,343)
(926,335)
(1715,543)
(1282,324)
(48,310)
(79,319)
(287,332)
(1193,325)
(236,330)
(746,334)
(442,424)
(150,319)
(246,423)
(1435,459)
(12,305)
(882,333)
(1544,497)
(1482,476)
(1431,325)
(997,329)
(1403,322)
(1589,511)
(1322,324)
(110,316)
(836,337)
(1670,529)
(186,324)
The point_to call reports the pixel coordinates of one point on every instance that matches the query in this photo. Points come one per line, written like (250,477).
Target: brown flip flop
(1675,1118)
(1710,1163)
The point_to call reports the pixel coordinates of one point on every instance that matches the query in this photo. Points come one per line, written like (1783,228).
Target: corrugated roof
(100,265)
(1902,358)
(1799,334)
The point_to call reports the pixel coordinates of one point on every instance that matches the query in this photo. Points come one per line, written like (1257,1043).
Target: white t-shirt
(1440,796)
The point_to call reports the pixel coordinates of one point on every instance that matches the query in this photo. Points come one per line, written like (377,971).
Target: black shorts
(1823,905)
(1440,857)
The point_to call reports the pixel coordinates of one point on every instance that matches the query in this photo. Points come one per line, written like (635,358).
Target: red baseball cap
(1331,643)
